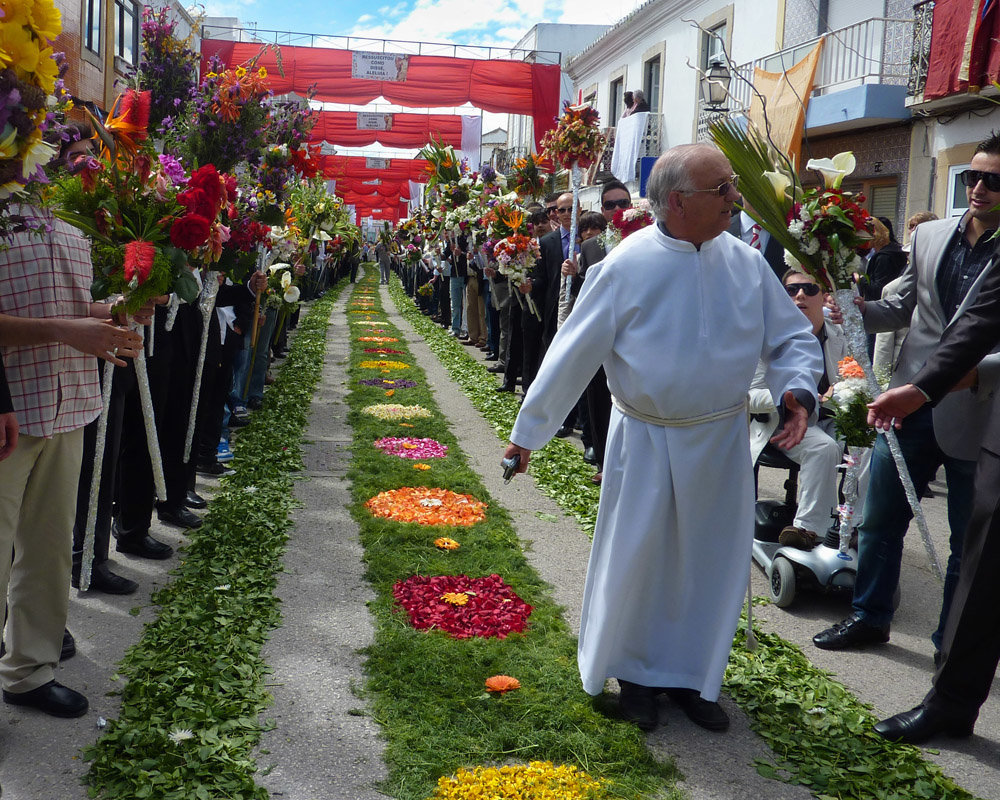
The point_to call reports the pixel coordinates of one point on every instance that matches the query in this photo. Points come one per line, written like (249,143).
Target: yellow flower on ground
(539,780)
(443,542)
(455,598)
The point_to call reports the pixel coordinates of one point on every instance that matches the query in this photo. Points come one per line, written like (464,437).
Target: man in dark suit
(744,227)
(971,648)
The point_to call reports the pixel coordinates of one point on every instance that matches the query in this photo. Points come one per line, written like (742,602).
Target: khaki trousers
(38,486)
(475,311)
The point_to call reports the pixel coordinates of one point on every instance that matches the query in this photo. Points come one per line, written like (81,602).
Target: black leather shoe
(68,646)
(492,357)
(505,387)
(564,431)
(181,517)
(851,632)
(51,698)
(638,705)
(590,455)
(700,711)
(145,546)
(195,500)
(922,723)
(215,469)
(235,423)
(104,580)
(497,368)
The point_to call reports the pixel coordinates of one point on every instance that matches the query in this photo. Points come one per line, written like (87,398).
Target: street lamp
(715,86)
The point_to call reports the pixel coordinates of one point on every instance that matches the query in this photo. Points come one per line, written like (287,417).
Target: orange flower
(502,683)
(422,466)
(390,393)
(427,506)
(455,598)
(849,368)
(444,543)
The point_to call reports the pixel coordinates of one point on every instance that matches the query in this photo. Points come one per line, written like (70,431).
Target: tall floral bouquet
(443,165)
(526,178)
(576,139)
(168,67)
(625,222)
(516,252)
(29,72)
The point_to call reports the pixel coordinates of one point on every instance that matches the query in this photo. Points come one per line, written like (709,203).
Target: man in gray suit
(949,260)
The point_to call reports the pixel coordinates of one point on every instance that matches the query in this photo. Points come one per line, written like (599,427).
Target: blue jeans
(457,286)
(887,516)
(242,365)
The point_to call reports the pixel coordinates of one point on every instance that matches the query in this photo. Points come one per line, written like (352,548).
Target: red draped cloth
(408,130)
(513,87)
(400,169)
(964,54)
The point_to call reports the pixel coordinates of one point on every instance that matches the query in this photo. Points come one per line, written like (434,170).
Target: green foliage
(851,422)
(426,689)
(198,666)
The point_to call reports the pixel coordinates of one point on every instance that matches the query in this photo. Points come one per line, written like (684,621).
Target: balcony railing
(652,143)
(920,52)
(874,51)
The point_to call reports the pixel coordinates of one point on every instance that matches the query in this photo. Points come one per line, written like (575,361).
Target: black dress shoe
(255,403)
(214,469)
(195,500)
(851,632)
(145,546)
(564,431)
(68,646)
(637,704)
(104,580)
(497,368)
(922,723)
(590,455)
(505,387)
(700,711)
(492,357)
(51,698)
(180,517)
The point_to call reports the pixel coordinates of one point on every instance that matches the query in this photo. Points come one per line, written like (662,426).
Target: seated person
(819,453)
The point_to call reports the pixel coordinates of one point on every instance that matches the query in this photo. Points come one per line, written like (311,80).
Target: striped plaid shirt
(55,388)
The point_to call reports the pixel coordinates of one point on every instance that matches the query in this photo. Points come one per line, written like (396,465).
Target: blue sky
(498,22)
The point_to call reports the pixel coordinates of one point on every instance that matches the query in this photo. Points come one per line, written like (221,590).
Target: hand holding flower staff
(575,143)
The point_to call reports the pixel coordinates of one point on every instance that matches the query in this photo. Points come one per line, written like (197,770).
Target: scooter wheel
(782,579)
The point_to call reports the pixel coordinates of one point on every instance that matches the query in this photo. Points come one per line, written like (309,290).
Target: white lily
(292,294)
(834,169)
(278,265)
(322,236)
(779,182)
(286,280)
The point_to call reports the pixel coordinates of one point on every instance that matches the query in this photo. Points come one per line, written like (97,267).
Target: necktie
(755,236)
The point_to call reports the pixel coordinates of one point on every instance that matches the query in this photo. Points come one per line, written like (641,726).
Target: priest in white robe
(679,314)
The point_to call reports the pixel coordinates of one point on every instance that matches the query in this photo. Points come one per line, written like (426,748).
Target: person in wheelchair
(819,453)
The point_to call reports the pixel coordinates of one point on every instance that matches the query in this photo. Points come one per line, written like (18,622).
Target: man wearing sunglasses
(949,260)
(818,454)
(679,315)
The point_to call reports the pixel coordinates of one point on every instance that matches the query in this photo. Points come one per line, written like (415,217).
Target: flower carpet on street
(382,339)
(411,447)
(395,411)
(385,351)
(456,606)
(427,506)
(462,606)
(384,365)
(535,781)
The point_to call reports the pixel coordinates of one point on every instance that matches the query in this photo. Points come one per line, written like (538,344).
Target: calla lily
(278,265)
(322,236)
(292,294)
(779,182)
(834,169)
(286,280)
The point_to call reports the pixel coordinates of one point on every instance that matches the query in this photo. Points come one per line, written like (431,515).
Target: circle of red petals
(493,610)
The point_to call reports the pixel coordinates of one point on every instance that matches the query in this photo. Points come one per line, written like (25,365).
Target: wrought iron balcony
(920,52)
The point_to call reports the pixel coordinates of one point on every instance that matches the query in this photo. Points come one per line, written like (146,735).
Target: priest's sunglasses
(723,188)
(810,289)
(971,178)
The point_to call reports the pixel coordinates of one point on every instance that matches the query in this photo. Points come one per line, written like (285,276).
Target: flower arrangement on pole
(625,222)
(527,178)
(515,252)
(575,143)
(168,67)
(821,229)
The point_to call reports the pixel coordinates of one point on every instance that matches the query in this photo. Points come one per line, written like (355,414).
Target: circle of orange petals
(502,683)
(427,506)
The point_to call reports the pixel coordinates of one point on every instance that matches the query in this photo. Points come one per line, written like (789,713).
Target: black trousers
(971,646)
(598,402)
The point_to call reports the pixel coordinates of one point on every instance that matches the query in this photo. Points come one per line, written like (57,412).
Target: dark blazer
(773,252)
(6,404)
(545,282)
(886,265)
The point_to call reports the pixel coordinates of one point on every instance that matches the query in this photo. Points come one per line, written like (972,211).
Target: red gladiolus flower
(134,110)
(139,260)
(190,231)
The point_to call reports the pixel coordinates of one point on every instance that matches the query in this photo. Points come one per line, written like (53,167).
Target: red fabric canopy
(513,87)
(408,130)
(962,57)
(371,199)
(385,188)
(400,169)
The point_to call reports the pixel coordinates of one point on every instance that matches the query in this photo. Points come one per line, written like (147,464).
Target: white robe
(679,332)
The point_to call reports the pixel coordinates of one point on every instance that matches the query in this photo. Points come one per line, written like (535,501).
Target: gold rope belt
(682,422)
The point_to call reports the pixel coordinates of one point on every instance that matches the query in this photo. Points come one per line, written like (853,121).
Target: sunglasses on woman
(810,289)
(971,178)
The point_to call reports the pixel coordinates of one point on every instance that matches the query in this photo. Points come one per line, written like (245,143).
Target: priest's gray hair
(671,173)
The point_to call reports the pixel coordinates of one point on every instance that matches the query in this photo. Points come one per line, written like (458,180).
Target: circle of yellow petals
(444,543)
(538,780)
(383,365)
(455,598)
(395,411)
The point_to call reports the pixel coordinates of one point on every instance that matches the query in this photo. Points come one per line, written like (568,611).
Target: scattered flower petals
(397,383)
(390,393)
(384,365)
(395,411)
(456,598)
(484,614)
(384,351)
(427,506)
(422,466)
(502,683)
(382,339)
(178,735)
(410,447)
(443,542)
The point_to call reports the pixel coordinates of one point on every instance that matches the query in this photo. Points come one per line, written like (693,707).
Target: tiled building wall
(880,153)
(801,17)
